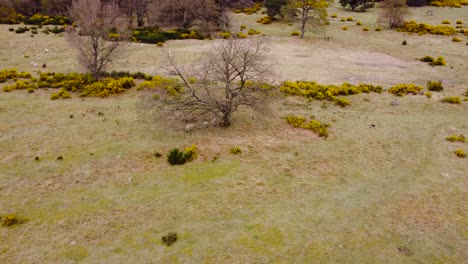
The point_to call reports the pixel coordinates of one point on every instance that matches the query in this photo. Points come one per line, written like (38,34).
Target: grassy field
(389,193)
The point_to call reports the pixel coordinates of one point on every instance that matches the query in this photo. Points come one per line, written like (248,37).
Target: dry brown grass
(290,197)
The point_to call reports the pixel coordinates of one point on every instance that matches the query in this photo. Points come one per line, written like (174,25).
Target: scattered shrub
(378,29)
(235,150)
(313,125)
(455,39)
(326,92)
(459,22)
(435,86)
(171,85)
(61,94)
(295,33)
(460,153)
(264,20)
(455,138)
(342,102)
(169,239)
(224,35)
(446,22)
(107,87)
(11,29)
(317,127)
(452,100)
(242,27)
(253,32)
(365,29)
(241,35)
(334,16)
(344,28)
(358,23)
(404,89)
(177,157)
(342,19)
(349,19)
(296,121)
(428,95)
(450,3)
(427,59)
(404,43)
(422,28)
(11,220)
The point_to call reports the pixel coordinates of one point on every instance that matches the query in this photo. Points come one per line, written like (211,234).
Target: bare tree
(227,80)
(95,22)
(138,8)
(312,14)
(393,12)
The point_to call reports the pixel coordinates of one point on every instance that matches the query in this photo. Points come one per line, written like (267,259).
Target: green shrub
(343,19)
(358,23)
(446,22)
(295,33)
(334,16)
(455,138)
(404,89)
(404,43)
(378,29)
(349,19)
(342,102)
(344,28)
(455,39)
(21,30)
(435,86)
(428,95)
(460,153)
(11,29)
(169,239)
(235,150)
(177,157)
(452,100)
(242,27)
(365,29)
(459,22)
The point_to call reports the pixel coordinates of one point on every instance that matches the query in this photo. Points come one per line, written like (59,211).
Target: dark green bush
(427,59)
(176,157)
(435,86)
(57,30)
(11,29)
(169,239)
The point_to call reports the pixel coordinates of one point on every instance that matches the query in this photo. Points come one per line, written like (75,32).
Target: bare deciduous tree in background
(95,21)
(393,12)
(138,8)
(227,77)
